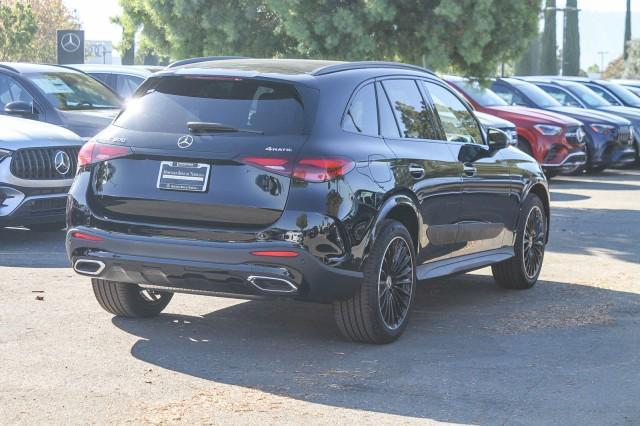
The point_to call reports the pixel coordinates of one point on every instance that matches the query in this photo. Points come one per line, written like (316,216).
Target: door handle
(469,169)
(416,171)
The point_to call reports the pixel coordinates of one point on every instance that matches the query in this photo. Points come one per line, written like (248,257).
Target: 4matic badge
(278,149)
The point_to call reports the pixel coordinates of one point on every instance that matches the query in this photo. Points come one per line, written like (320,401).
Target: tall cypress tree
(549,60)
(627,29)
(571,44)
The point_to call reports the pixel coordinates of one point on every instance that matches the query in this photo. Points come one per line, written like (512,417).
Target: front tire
(379,311)
(522,271)
(129,300)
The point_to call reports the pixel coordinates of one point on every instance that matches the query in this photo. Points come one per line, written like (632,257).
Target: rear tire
(379,311)
(129,300)
(522,271)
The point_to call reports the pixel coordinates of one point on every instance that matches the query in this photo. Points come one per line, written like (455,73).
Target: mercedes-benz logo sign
(62,163)
(185,141)
(70,42)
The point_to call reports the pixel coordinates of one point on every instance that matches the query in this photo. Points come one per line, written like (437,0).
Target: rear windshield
(70,91)
(167,104)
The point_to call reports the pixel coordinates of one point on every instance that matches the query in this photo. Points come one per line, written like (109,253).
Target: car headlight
(548,130)
(513,136)
(604,129)
(4,153)
(580,134)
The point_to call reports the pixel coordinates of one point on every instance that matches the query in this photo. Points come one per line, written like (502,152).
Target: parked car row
(351,180)
(565,124)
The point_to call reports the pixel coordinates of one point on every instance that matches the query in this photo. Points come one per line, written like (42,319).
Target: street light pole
(602,53)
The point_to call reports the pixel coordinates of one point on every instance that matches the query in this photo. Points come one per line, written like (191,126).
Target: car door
(486,209)
(424,165)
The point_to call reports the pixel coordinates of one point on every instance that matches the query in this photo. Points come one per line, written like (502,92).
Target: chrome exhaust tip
(89,267)
(272,285)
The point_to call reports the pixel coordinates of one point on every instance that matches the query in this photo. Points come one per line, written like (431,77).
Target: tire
(360,318)
(129,300)
(46,227)
(517,273)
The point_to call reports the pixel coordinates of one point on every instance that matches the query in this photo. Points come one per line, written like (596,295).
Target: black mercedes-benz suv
(320,181)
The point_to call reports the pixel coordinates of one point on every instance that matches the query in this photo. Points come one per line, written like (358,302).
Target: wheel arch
(541,191)
(403,208)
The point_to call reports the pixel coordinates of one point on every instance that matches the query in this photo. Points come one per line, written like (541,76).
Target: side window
(458,122)
(362,116)
(11,90)
(600,91)
(412,113)
(509,95)
(388,125)
(103,77)
(127,85)
(561,96)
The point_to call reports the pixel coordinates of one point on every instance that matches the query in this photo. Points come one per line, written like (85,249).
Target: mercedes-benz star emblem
(62,163)
(185,141)
(70,42)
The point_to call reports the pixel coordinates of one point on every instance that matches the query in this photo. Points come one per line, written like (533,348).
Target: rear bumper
(215,268)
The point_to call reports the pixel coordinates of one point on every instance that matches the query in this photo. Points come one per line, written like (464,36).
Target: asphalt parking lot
(565,352)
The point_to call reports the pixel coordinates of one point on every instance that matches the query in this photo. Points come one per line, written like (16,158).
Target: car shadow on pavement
(473,353)
(601,182)
(23,248)
(586,231)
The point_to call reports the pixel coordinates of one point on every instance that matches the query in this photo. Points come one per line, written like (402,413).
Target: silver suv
(37,164)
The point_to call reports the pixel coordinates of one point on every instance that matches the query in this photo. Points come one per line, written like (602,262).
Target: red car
(554,140)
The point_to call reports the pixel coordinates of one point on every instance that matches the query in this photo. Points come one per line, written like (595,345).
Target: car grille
(40,163)
(575,135)
(624,135)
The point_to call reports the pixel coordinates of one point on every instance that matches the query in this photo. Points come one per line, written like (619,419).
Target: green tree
(529,62)
(469,36)
(208,27)
(627,28)
(549,54)
(17,29)
(50,15)
(632,64)
(465,35)
(571,45)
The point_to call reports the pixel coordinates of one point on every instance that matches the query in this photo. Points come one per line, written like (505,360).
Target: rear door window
(388,124)
(167,104)
(362,115)
(412,113)
(458,123)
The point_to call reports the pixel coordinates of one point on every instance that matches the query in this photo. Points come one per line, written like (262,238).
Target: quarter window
(458,123)
(362,116)
(413,116)
(388,125)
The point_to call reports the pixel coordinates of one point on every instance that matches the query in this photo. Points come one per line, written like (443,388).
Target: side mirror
(497,139)
(21,109)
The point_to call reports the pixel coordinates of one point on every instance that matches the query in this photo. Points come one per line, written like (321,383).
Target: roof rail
(203,59)
(8,67)
(355,65)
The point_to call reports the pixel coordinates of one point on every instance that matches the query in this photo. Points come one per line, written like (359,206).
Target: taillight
(83,236)
(276,165)
(320,169)
(93,152)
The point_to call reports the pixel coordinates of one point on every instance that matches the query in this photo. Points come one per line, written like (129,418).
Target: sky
(601,25)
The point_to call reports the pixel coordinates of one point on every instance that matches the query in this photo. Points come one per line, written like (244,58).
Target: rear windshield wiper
(200,127)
